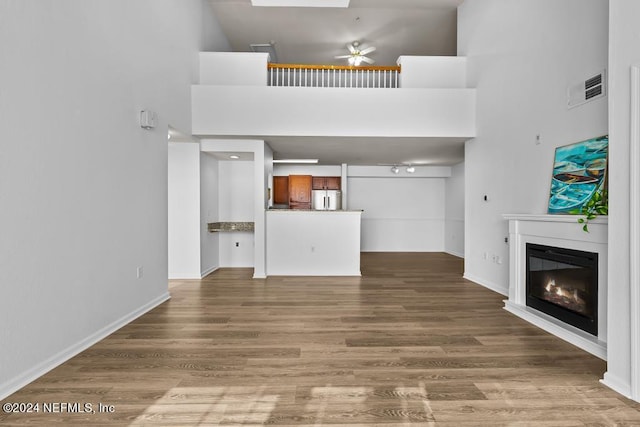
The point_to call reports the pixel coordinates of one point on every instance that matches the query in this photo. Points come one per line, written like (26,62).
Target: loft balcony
(242,94)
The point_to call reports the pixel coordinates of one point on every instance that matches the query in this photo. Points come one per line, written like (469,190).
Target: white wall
(400,214)
(315,170)
(263,183)
(521,74)
(214,39)
(344,111)
(624,38)
(433,71)
(454,212)
(236,188)
(82,186)
(184,210)
(236,204)
(209,242)
(233,68)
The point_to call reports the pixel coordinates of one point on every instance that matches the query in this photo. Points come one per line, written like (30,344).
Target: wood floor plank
(409,343)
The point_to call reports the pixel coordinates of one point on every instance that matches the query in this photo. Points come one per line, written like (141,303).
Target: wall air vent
(590,89)
(269,48)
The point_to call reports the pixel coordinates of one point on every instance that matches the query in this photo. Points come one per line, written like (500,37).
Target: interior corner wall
(236,204)
(213,38)
(209,242)
(522,55)
(263,169)
(624,39)
(454,212)
(83,188)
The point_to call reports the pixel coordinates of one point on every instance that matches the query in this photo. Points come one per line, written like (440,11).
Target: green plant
(597,205)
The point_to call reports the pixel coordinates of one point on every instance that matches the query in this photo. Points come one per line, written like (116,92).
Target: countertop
(230,226)
(317,210)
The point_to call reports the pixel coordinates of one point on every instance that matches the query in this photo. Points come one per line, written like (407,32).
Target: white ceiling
(370,151)
(316,35)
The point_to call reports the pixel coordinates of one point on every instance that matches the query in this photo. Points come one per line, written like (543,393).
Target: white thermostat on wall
(148,119)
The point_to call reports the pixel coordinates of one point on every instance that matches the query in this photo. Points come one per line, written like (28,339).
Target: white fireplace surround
(562,231)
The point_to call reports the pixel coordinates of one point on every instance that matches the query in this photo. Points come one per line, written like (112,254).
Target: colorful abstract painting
(579,176)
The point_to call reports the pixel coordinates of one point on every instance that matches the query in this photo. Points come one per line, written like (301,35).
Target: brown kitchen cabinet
(326,183)
(281,190)
(300,191)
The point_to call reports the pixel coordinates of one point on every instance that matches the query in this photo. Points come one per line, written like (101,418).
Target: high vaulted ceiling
(317,35)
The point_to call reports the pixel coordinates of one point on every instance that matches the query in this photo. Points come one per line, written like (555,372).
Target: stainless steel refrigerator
(326,200)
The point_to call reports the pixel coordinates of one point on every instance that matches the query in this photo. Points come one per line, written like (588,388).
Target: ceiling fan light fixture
(356,55)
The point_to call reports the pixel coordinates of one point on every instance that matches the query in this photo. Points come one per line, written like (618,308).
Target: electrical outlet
(237,244)
(139,272)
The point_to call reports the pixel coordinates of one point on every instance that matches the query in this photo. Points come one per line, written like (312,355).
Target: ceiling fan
(357,55)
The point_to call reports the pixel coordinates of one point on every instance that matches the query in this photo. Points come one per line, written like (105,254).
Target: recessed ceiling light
(233,156)
(296,161)
(301,3)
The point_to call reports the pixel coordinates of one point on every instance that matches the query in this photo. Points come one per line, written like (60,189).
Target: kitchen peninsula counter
(314,210)
(313,242)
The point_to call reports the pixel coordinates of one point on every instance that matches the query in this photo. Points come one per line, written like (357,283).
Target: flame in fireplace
(567,296)
(550,285)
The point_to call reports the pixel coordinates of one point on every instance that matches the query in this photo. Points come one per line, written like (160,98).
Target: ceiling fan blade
(342,56)
(351,48)
(367,60)
(367,50)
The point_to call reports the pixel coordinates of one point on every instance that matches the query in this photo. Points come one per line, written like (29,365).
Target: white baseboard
(39,370)
(616,385)
(454,253)
(208,272)
(492,286)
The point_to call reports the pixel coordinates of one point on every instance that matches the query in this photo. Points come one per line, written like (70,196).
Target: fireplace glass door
(563,283)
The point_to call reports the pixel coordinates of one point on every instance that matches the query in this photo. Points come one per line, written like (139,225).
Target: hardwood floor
(409,343)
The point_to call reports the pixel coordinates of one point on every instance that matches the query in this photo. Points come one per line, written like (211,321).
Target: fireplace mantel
(561,231)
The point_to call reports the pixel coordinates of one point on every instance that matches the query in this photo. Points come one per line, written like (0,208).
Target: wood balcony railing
(302,75)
